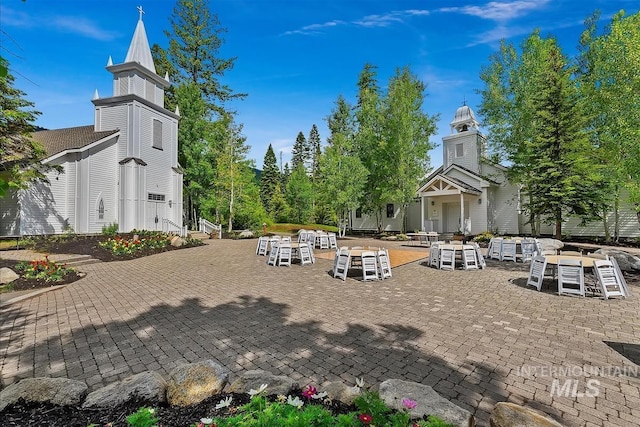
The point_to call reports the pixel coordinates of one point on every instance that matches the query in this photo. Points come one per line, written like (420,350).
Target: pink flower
(409,404)
(365,418)
(309,391)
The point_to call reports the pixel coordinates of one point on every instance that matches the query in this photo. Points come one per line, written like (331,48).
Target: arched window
(101,209)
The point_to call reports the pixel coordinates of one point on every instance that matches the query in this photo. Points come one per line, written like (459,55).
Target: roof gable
(59,140)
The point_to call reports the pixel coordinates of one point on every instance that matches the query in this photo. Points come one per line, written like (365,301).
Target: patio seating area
(470,335)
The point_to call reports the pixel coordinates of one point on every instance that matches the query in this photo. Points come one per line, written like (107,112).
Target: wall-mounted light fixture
(433,203)
(479,201)
(170,203)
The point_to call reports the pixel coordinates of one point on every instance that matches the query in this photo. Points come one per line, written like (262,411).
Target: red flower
(309,391)
(365,418)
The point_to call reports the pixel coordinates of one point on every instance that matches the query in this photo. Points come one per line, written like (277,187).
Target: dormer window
(157,134)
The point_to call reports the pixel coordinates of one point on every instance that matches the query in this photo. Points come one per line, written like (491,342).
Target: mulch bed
(47,414)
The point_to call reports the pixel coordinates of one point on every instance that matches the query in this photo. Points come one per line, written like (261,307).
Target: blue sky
(293,57)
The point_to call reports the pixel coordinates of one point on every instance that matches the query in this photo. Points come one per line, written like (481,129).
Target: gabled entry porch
(449,205)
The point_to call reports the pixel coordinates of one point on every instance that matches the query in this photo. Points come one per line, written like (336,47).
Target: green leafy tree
(299,195)
(269,178)
(193,60)
(531,106)
(235,183)
(342,174)
(403,150)
(20,155)
(610,85)
(196,150)
(368,135)
(301,152)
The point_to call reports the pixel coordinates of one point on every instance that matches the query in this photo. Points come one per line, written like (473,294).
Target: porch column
(422,213)
(461,211)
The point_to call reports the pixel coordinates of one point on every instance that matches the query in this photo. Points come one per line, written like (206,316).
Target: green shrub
(484,237)
(110,230)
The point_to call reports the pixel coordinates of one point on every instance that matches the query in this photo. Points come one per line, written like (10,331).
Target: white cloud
(369,21)
(498,11)
(81,26)
(66,24)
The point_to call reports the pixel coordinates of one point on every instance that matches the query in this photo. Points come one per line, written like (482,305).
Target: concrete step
(199,235)
(75,260)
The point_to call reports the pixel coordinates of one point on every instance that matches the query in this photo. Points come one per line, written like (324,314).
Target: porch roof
(442,185)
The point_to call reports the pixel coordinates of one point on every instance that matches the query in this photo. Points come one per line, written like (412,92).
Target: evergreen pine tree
(300,153)
(314,144)
(269,179)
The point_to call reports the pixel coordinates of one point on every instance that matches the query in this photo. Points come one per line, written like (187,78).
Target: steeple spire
(139,50)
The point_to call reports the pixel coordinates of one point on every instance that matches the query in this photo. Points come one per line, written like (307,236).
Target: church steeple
(137,74)
(139,50)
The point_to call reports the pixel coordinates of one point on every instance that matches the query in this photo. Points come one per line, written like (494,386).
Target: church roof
(139,50)
(58,140)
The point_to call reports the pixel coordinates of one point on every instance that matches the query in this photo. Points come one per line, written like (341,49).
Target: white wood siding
(43,206)
(103,169)
(504,210)
(10,214)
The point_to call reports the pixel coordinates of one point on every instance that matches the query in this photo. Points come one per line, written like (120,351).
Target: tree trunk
(559,225)
(605,225)
(616,219)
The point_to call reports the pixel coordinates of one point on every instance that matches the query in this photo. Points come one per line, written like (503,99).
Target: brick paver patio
(477,337)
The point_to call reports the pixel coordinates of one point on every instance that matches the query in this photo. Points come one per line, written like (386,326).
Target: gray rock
(148,385)
(177,241)
(553,244)
(626,261)
(429,402)
(276,384)
(192,383)
(507,414)
(7,275)
(337,390)
(246,234)
(59,391)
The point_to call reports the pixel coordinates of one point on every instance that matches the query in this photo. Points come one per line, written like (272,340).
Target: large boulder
(551,244)
(276,384)
(507,414)
(429,402)
(59,391)
(7,275)
(337,390)
(626,261)
(177,241)
(192,383)
(148,385)
(246,234)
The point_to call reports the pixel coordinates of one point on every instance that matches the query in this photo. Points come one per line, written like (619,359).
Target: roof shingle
(58,140)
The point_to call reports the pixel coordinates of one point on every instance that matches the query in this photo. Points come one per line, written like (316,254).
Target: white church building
(123,169)
(471,194)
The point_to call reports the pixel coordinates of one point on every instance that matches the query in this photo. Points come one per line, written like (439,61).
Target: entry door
(155,213)
(451,216)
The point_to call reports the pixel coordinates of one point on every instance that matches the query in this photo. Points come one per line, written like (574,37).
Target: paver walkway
(477,337)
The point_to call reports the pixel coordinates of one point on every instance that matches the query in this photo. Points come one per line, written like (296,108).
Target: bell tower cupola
(466,145)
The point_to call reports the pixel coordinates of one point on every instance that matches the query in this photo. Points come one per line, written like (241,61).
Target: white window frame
(157,134)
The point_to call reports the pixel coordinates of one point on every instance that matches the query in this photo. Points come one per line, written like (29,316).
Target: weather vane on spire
(141,12)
